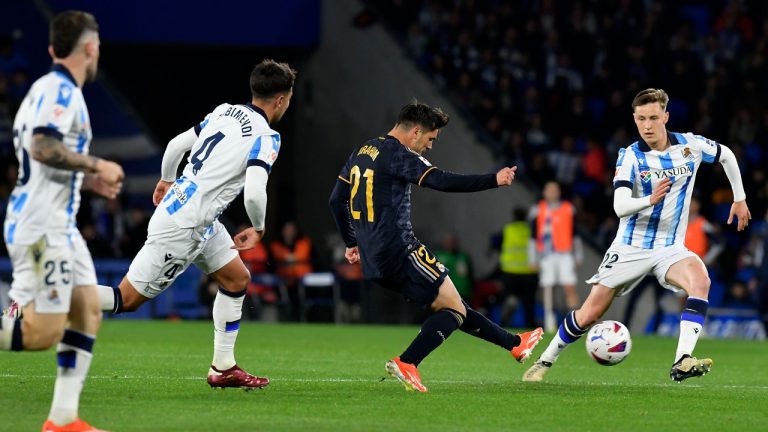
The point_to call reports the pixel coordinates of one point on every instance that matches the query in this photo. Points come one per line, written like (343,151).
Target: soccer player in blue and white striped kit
(54,280)
(653,187)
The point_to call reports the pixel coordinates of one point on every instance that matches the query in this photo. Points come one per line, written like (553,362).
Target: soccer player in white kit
(54,281)
(653,186)
(231,150)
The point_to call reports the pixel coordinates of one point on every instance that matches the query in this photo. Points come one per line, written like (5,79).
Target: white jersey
(641,169)
(45,200)
(230,139)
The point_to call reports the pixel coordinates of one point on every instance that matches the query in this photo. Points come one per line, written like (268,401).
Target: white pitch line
(375,380)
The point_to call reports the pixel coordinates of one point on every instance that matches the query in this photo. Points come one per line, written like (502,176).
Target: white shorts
(46,274)
(169,250)
(624,266)
(557,269)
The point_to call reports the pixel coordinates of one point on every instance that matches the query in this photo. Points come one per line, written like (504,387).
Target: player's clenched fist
(109,171)
(505,176)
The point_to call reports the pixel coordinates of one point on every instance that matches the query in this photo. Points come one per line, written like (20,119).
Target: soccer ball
(608,343)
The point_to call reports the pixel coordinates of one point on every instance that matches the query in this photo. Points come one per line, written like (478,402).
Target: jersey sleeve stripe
(421,179)
(260,163)
(344,180)
(48,131)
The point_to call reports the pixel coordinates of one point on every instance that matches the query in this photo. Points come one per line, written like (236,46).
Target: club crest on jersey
(687,153)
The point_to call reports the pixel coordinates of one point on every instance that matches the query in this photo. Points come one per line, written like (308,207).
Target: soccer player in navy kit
(371,203)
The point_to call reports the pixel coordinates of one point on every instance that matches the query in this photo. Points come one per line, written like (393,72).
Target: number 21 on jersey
(354,177)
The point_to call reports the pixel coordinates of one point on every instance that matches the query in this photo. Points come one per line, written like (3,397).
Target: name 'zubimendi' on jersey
(641,169)
(208,185)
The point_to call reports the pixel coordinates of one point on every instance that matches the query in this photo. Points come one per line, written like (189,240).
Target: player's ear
(666,117)
(50,51)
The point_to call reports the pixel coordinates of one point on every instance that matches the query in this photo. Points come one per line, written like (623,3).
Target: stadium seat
(318,289)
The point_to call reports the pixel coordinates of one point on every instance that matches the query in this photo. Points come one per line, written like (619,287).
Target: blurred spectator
(134,232)
(292,255)
(557,251)
(516,273)
(459,265)
(701,237)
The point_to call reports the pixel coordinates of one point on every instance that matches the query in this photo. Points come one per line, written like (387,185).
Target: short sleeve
(410,166)
(264,151)
(625,170)
(710,150)
(56,110)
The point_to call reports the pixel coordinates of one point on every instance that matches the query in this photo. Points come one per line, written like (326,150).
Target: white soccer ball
(608,343)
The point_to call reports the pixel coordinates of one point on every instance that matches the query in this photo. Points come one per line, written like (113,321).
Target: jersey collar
(258,110)
(60,68)
(645,148)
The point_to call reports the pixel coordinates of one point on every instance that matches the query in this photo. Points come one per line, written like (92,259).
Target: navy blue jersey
(372,200)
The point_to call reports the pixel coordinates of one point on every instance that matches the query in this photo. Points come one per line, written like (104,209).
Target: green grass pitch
(150,376)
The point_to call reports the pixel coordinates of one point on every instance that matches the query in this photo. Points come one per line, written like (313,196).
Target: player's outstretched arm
(625,205)
(446,181)
(52,152)
(739,207)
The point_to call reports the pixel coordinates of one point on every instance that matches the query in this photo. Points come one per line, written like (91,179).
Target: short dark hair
(269,78)
(651,95)
(417,113)
(66,29)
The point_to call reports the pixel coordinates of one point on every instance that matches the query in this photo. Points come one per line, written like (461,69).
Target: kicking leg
(476,324)
(575,324)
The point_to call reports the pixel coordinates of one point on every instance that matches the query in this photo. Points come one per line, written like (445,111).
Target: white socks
(227,311)
(691,324)
(74,358)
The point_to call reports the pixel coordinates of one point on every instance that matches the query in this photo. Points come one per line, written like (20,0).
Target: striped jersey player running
(653,186)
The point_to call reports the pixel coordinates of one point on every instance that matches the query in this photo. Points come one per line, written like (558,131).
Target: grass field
(149,376)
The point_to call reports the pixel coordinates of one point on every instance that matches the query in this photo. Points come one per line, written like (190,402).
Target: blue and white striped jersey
(640,168)
(230,139)
(45,200)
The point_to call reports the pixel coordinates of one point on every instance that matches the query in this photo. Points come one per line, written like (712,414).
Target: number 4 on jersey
(207,147)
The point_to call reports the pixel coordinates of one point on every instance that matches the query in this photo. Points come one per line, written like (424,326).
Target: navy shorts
(417,277)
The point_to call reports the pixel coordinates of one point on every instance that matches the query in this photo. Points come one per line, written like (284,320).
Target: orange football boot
(528,341)
(406,373)
(76,426)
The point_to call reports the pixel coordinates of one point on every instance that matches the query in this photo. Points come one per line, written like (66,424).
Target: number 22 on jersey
(354,177)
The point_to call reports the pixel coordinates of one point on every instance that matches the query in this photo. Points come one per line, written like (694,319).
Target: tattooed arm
(52,152)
